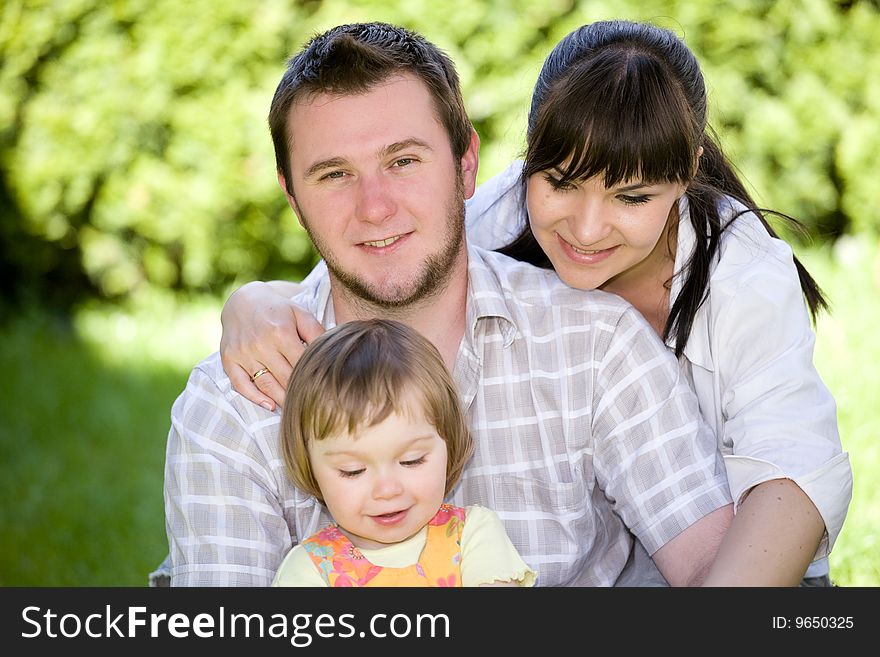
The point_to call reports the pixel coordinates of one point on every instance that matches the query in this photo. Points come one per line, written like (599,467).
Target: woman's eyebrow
(629,188)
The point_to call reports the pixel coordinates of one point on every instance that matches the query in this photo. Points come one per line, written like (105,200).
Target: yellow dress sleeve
(487,555)
(297,569)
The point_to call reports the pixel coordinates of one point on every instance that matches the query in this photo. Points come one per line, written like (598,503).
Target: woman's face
(601,237)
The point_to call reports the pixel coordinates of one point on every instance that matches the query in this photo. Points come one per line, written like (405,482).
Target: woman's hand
(264,333)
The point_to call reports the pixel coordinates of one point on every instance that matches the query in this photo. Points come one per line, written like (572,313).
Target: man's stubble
(432,277)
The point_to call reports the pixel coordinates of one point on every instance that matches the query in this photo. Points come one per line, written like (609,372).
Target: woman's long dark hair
(628,101)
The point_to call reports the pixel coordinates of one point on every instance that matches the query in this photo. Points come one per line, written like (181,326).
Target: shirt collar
(486,297)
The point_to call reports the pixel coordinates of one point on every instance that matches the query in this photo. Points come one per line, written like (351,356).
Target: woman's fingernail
(267,406)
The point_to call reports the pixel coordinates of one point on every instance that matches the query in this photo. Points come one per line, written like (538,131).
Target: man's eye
(404,161)
(333,175)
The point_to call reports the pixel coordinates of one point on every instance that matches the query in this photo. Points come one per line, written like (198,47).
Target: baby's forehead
(390,438)
(350,424)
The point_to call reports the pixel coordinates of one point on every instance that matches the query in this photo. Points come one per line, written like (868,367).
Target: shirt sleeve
(298,569)
(656,459)
(487,554)
(496,212)
(779,418)
(223,515)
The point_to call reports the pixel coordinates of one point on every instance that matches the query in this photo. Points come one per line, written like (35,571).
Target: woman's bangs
(625,122)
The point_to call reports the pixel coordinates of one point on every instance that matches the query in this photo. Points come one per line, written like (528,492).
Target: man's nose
(375,199)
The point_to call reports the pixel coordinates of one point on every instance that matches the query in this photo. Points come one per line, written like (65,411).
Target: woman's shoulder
(753,277)
(494,189)
(495,214)
(748,253)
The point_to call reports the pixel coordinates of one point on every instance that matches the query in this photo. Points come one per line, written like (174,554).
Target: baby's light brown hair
(355,376)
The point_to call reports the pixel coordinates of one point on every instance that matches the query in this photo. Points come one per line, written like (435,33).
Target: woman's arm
(772,538)
(776,419)
(264,330)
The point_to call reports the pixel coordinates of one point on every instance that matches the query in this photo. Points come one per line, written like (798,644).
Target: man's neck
(440,317)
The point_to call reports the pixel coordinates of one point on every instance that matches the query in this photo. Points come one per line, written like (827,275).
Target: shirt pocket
(523,493)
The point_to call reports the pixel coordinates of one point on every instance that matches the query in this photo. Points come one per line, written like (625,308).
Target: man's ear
(697,160)
(290,200)
(469,163)
(283,184)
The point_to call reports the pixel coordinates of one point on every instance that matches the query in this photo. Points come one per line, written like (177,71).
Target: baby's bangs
(353,397)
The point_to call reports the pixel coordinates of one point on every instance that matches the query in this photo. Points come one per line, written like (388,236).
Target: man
(583,430)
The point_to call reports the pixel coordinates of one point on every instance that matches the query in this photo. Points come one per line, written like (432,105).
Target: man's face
(379,191)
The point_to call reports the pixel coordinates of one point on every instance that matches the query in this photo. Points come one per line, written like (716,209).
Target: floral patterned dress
(342,564)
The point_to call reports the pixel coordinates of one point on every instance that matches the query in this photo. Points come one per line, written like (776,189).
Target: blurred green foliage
(134,152)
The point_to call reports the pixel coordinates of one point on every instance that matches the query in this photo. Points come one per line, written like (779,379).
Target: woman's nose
(588,223)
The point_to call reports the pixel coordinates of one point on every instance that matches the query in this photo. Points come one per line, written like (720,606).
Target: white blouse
(749,356)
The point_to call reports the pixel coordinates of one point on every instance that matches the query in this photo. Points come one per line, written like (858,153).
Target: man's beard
(432,277)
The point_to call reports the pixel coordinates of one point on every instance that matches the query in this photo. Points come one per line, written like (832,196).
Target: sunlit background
(137,190)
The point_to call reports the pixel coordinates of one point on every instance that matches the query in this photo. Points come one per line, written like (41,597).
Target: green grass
(84,413)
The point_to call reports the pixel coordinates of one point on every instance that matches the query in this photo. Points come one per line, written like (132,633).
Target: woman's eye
(634,200)
(413,462)
(557,184)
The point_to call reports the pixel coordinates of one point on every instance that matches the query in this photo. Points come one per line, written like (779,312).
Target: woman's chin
(581,282)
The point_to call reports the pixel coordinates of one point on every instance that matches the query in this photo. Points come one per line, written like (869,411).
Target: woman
(623,189)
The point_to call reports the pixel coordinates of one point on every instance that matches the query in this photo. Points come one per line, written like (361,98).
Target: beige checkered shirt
(583,426)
